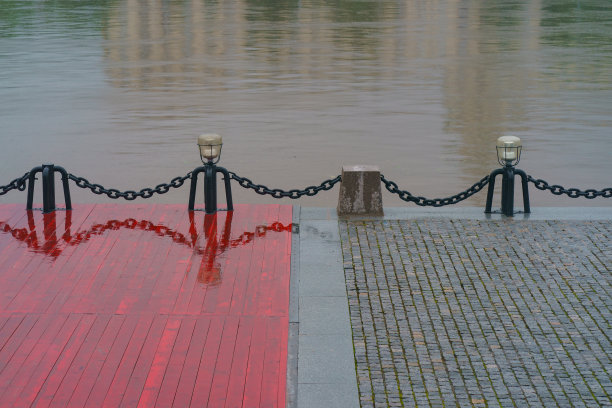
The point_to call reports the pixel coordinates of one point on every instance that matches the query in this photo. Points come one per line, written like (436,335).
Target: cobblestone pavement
(480,313)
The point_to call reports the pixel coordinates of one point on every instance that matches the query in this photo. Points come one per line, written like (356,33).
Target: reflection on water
(217,244)
(49,244)
(297,88)
(209,272)
(211,246)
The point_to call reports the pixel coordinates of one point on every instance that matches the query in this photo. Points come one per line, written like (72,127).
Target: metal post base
(210,188)
(48,187)
(507,199)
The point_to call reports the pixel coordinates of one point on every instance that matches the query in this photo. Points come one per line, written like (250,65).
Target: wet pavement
(417,308)
(148,305)
(469,311)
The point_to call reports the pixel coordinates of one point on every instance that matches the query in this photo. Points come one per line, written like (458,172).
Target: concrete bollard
(360,191)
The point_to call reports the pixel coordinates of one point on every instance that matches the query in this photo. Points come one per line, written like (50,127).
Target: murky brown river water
(118,91)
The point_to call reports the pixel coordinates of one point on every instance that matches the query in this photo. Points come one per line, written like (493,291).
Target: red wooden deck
(144,305)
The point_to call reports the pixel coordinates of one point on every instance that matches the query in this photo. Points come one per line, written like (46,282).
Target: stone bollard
(360,191)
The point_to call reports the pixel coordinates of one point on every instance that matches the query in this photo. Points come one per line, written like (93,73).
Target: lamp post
(508,155)
(210,153)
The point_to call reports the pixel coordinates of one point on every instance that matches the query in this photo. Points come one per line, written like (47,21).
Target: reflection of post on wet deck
(209,272)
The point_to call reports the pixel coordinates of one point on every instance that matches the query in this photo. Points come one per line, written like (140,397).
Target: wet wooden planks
(144,305)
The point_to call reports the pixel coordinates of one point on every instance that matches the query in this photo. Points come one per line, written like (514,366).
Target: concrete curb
(474,213)
(325,359)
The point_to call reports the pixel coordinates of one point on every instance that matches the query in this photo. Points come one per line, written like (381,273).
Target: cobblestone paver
(480,313)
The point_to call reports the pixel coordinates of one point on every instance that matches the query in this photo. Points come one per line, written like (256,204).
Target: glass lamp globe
(210,147)
(509,150)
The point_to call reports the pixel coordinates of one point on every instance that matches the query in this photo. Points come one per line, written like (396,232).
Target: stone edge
(294,324)
(475,213)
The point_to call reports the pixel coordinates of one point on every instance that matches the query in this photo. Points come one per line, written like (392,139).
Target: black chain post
(48,187)
(28,179)
(507,200)
(210,171)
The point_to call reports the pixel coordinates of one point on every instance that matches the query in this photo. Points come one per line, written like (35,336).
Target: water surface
(118,91)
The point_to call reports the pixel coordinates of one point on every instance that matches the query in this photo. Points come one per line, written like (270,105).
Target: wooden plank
(17,337)
(133,324)
(34,296)
(13,362)
(142,286)
(125,290)
(156,372)
(274,375)
(219,297)
(21,276)
(240,360)
(256,269)
(282,371)
(174,270)
(153,271)
(177,363)
(241,265)
(3,319)
(261,301)
(210,354)
(73,375)
(143,364)
(237,280)
(93,253)
(274,299)
(222,368)
(189,283)
(9,327)
(53,351)
(56,274)
(11,219)
(77,269)
(63,363)
(123,372)
(28,368)
(189,373)
(94,366)
(254,370)
(97,292)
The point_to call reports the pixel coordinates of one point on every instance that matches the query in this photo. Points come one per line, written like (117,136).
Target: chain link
(20,184)
(570,192)
(435,202)
(278,193)
(17,184)
(129,194)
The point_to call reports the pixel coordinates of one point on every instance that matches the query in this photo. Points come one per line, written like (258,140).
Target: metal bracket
(507,199)
(48,187)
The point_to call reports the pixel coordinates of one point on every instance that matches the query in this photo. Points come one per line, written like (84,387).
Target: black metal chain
(435,202)
(20,184)
(130,194)
(17,184)
(278,193)
(570,192)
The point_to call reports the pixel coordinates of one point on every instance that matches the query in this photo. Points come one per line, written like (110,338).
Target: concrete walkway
(453,307)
